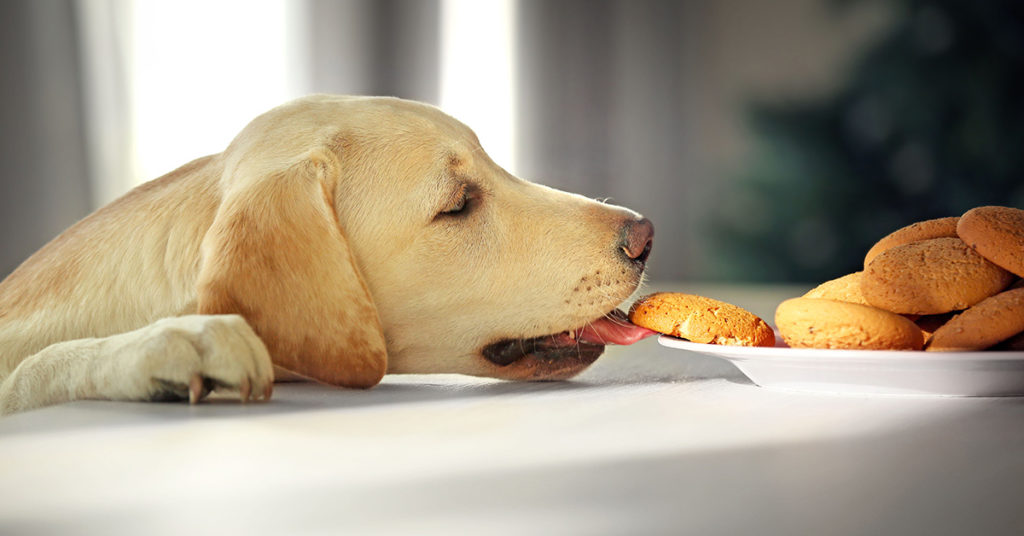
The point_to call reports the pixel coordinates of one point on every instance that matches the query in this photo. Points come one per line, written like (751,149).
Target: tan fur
(319,226)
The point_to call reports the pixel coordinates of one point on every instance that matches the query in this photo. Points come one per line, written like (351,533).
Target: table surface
(649,440)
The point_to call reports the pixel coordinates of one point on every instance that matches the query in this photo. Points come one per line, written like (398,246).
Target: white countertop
(648,440)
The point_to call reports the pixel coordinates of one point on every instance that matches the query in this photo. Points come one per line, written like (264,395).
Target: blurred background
(769,141)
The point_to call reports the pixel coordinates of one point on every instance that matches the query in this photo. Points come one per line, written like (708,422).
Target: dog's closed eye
(459,204)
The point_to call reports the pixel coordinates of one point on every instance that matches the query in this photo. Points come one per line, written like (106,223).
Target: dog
(335,239)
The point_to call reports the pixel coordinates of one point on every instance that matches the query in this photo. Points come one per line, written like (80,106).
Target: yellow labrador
(339,238)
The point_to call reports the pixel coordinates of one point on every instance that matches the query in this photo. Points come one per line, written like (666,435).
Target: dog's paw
(187,357)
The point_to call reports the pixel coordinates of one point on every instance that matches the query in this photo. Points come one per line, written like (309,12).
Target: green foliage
(929,123)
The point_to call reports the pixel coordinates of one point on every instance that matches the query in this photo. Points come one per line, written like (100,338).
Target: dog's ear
(276,254)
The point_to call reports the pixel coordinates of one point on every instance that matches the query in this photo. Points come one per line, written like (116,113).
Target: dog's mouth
(565,354)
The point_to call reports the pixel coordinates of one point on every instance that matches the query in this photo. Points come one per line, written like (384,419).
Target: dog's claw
(268,391)
(246,388)
(195,389)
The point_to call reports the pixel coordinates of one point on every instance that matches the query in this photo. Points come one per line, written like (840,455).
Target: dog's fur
(336,237)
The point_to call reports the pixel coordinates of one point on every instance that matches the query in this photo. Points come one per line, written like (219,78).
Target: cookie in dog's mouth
(564,354)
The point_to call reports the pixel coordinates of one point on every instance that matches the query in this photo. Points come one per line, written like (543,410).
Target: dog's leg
(179,358)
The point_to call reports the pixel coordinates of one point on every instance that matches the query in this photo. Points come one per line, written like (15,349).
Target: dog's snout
(637,237)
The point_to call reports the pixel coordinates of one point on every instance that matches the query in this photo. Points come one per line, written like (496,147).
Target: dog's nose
(637,237)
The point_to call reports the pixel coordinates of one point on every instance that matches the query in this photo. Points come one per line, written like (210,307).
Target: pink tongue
(611,330)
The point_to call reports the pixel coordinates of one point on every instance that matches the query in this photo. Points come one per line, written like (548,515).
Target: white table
(648,441)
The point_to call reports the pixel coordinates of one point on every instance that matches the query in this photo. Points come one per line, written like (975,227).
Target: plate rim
(820,354)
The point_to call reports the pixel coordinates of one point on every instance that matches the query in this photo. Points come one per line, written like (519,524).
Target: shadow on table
(647,364)
(296,398)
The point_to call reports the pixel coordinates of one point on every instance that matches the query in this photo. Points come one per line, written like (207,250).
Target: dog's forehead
(413,136)
(359,124)
(419,149)
(387,116)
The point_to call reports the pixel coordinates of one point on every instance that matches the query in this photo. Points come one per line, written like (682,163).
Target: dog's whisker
(608,296)
(621,322)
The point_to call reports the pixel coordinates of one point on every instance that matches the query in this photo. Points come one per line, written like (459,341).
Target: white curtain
(44,184)
(632,100)
(104,42)
(167,82)
(610,94)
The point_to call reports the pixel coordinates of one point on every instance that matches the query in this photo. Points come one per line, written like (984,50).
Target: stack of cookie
(950,284)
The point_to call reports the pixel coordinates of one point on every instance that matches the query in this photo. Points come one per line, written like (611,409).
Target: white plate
(872,372)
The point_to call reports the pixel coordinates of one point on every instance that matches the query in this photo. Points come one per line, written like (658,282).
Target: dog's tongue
(613,329)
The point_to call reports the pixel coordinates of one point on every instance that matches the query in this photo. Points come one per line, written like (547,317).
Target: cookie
(986,324)
(846,289)
(820,323)
(931,277)
(700,319)
(997,233)
(915,232)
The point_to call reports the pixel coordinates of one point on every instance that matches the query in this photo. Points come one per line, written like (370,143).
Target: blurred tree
(929,123)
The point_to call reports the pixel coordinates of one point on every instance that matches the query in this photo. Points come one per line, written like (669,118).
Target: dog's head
(420,243)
